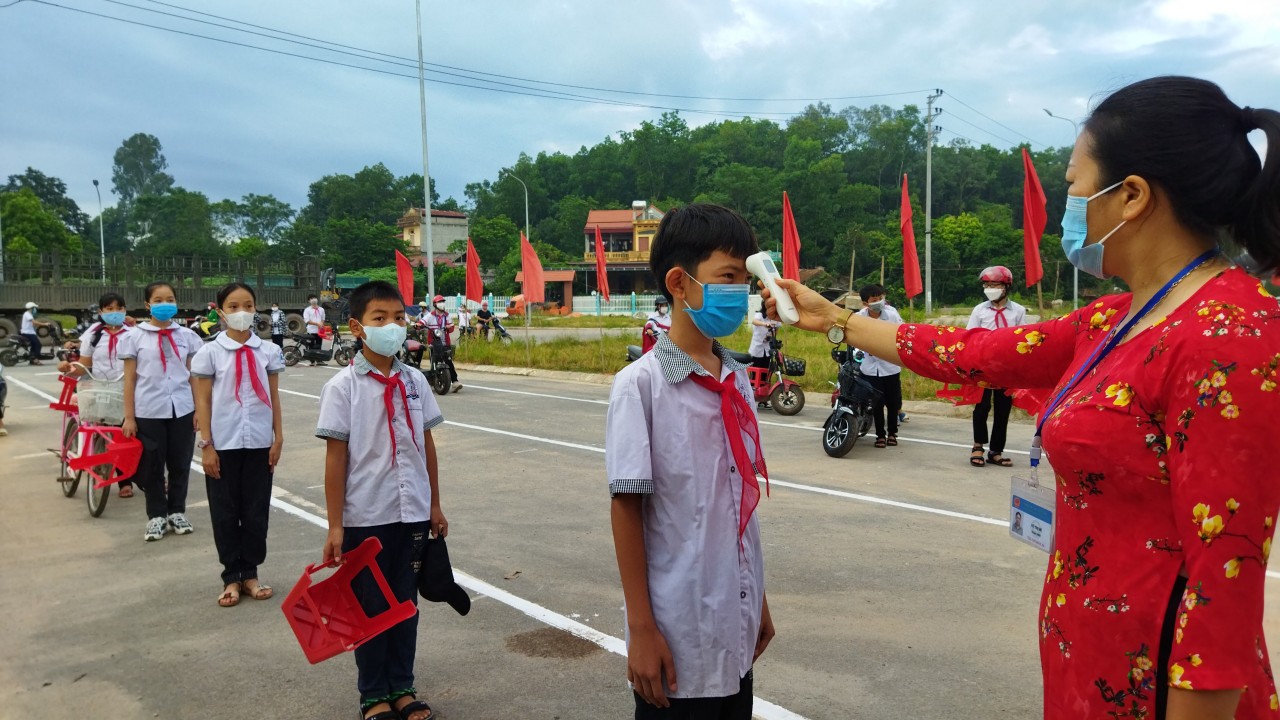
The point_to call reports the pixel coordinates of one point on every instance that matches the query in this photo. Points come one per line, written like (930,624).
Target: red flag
(534,286)
(602,277)
(790,242)
(475,286)
(1034,218)
(910,260)
(404,277)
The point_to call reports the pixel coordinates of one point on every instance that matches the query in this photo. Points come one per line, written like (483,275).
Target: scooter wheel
(787,399)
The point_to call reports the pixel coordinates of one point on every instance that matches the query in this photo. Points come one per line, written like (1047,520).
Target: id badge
(1031,509)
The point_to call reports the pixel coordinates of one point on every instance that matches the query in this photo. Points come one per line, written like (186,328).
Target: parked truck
(71,284)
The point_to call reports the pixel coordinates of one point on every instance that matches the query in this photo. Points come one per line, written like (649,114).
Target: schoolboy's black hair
(111,298)
(370,291)
(221,297)
(869,291)
(689,235)
(146,293)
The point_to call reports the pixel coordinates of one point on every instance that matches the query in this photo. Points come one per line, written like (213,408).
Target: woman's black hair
(111,298)
(689,235)
(221,297)
(1184,135)
(146,294)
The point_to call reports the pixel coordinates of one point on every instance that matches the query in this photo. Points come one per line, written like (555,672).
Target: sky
(235,120)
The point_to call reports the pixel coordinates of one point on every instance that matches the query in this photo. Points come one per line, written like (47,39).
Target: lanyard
(1107,346)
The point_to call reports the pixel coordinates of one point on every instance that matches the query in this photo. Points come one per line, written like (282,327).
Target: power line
(1006,127)
(1012,143)
(962,137)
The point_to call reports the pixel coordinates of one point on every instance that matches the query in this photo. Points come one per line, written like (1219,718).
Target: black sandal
(414,706)
(893,441)
(999,459)
(975,456)
(881,442)
(384,715)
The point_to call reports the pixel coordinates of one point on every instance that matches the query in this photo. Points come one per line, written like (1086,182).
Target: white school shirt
(314,318)
(759,339)
(245,424)
(382,488)
(985,316)
(106,365)
(162,390)
(28,324)
(664,439)
(873,366)
(464,318)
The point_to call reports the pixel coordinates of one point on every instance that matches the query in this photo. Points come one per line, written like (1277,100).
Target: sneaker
(457,386)
(903,417)
(156,528)
(178,523)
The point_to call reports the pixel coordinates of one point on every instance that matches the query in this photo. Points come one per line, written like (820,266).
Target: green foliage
(52,193)
(139,169)
(493,239)
(31,227)
(179,222)
(256,216)
(249,248)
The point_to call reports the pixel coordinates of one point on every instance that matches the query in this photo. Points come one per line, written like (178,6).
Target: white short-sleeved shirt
(28,324)
(382,488)
(759,338)
(105,360)
(314,318)
(163,390)
(873,366)
(706,587)
(244,424)
(987,315)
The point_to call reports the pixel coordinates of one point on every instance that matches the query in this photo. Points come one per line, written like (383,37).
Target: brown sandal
(999,459)
(975,456)
(230,597)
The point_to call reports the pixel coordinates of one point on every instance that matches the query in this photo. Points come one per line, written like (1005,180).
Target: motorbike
(302,348)
(499,331)
(851,402)
(14,349)
(437,373)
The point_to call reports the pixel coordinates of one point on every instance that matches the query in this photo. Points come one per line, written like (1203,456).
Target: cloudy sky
(236,120)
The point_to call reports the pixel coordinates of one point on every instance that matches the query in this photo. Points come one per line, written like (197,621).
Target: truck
(71,285)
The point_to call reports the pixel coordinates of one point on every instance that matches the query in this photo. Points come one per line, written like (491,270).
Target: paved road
(894,592)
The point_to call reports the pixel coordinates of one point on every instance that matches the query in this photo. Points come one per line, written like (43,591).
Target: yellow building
(447,227)
(627,236)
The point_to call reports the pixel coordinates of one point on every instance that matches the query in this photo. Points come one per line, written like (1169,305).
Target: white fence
(629,304)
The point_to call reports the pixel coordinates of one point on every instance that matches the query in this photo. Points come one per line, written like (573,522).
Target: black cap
(435,581)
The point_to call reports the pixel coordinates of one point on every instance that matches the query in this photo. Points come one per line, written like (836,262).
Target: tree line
(842,169)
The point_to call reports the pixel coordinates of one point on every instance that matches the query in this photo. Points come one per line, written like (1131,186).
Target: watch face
(836,334)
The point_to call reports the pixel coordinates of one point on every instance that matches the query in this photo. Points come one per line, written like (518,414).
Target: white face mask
(314,303)
(240,321)
(993,294)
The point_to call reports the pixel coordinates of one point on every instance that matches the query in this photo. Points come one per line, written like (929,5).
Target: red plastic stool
(327,618)
(122,454)
(758,376)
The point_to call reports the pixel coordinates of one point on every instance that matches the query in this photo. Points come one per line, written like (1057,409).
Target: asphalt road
(895,592)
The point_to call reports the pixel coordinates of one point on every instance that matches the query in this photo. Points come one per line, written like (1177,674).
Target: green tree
(139,169)
(248,248)
(494,238)
(258,216)
(180,222)
(30,227)
(52,193)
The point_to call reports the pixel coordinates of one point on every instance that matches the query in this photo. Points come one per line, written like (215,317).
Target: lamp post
(527,312)
(1075,272)
(102,237)
(424,232)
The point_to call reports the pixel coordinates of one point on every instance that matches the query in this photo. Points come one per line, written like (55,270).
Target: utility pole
(928,202)
(1,244)
(424,231)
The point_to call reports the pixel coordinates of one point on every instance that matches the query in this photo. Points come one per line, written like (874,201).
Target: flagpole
(424,231)
(928,205)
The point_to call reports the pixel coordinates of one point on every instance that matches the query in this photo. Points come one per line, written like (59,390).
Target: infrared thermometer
(761,265)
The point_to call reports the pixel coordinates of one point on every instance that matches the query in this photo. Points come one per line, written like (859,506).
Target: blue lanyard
(1110,344)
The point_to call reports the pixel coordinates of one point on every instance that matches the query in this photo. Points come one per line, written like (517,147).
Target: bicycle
(90,443)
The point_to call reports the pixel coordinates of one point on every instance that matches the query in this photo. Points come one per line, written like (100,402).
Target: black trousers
(167,444)
(239,507)
(278,340)
(1003,403)
(735,707)
(33,344)
(4,394)
(889,399)
(384,665)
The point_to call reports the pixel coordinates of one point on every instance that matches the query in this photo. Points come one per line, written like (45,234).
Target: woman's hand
(209,459)
(129,427)
(817,314)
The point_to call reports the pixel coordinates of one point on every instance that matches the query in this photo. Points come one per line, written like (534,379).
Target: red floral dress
(1164,458)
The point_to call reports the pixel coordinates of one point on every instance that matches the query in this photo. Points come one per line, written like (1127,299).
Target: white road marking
(534,394)
(299,394)
(28,456)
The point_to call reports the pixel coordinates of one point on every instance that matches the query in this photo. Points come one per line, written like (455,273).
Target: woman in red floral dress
(1164,450)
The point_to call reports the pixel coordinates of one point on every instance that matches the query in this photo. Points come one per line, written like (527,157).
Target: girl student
(239,373)
(159,409)
(100,351)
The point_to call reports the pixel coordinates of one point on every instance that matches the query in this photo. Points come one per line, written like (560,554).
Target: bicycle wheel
(68,479)
(97,497)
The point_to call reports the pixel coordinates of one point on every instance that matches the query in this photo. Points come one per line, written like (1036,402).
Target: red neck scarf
(245,354)
(160,338)
(738,419)
(113,339)
(1001,320)
(392,384)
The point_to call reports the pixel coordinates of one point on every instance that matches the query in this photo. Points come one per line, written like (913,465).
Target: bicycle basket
(793,366)
(101,401)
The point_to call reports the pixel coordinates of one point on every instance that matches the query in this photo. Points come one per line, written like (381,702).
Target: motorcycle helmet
(996,273)
(31,306)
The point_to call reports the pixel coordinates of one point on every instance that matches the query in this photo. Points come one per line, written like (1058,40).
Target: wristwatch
(202,444)
(836,333)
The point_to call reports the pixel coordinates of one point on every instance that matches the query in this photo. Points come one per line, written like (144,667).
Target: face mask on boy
(385,340)
(723,308)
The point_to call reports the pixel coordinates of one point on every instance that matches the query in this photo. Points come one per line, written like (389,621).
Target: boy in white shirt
(684,524)
(313,316)
(882,374)
(997,312)
(382,480)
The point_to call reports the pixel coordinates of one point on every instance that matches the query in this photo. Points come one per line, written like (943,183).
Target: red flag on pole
(534,286)
(910,260)
(790,242)
(404,277)
(475,286)
(1034,218)
(602,277)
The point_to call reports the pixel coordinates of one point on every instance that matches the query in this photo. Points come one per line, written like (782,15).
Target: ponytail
(1257,219)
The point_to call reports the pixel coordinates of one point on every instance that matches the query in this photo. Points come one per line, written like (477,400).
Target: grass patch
(586,321)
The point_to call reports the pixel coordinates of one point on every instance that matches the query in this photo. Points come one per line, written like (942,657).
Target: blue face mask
(114,319)
(723,308)
(385,340)
(1075,230)
(164,311)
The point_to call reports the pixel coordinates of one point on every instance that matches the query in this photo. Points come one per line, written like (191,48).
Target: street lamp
(527,311)
(424,232)
(102,237)
(1075,272)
